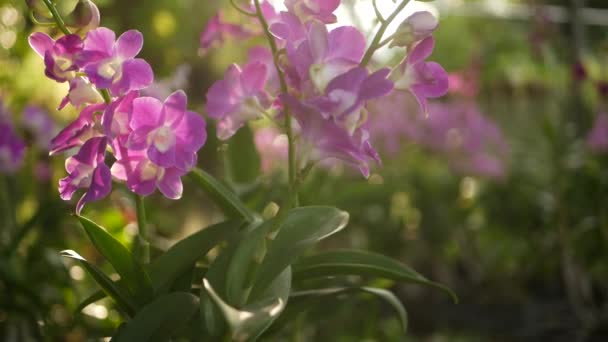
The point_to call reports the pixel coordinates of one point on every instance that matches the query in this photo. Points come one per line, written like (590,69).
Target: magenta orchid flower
(423,79)
(169,133)
(322,138)
(81,93)
(142,176)
(238,98)
(12,149)
(347,94)
(116,118)
(86,170)
(59,56)
(40,124)
(321,10)
(79,131)
(217,32)
(272,147)
(111,64)
(597,139)
(323,56)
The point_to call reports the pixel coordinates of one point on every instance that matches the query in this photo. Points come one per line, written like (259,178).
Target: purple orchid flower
(423,79)
(272,147)
(322,138)
(597,139)
(40,124)
(218,31)
(111,64)
(346,95)
(116,118)
(59,56)
(321,10)
(79,131)
(168,133)
(238,98)
(12,149)
(86,169)
(81,93)
(323,56)
(142,176)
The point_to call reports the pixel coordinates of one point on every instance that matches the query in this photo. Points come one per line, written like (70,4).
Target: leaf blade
(354,262)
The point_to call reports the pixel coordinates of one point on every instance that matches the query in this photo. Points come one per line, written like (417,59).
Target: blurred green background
(526,248)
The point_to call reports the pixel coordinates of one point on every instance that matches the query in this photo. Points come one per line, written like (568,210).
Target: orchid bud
(414,28)
(85,16)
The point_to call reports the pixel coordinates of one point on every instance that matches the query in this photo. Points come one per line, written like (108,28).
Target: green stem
(375,45)
(288,128)
(58,20)
(142,227)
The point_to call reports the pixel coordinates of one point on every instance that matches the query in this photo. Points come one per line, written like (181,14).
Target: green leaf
(243,157)
(248,323)
(386,295)
(303,228)
(183,256)
(132,274)
(361,263)
(158,320)
(122,299)
(245,260)
(226,199)
(95,296)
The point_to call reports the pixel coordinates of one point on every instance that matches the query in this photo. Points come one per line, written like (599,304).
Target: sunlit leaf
(158,320)
(361,263)
(131,272)
(226,199)
(122,299)
(183,255)
(248,323)
(303,228)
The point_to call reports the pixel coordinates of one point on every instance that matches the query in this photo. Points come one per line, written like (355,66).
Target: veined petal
(174,108)
(129,44)
(100,40)
(138,73)
(421,51)
(41,43)
(346,42)
(101,186)
(146,112)
(170,184)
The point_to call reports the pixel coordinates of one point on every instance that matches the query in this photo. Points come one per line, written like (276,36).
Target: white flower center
(111,69)
(120,123)
(62,63)
(151,171)
(321,74)
(163,139)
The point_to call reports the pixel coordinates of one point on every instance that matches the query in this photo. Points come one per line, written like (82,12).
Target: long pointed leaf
(94,297)
(354,262)
(132,274)
(385,295)
(158,320)
(122,299)
(248,323)
(227,200)
(303,228)
(183,255)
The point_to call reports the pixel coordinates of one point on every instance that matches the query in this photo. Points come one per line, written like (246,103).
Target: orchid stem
(376,42)
(142,228)
(242,10)
(288,128)
(58,20)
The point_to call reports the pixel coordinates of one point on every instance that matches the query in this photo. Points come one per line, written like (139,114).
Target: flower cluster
(153,143)
(320,78)
(457,130)
(12,146)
